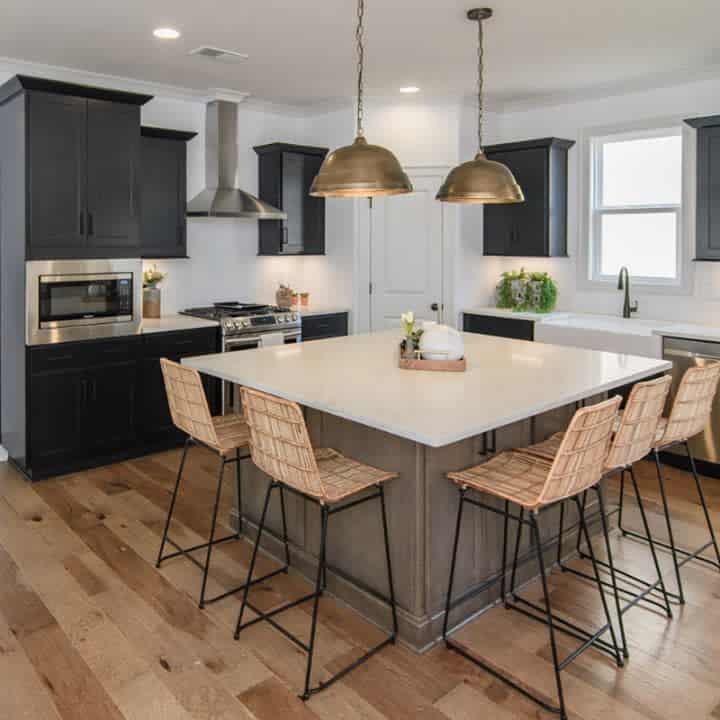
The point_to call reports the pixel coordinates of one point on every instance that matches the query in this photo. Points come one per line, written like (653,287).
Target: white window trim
(588,277)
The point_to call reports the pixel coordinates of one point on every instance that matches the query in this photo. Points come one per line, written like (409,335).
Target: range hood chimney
(221,198)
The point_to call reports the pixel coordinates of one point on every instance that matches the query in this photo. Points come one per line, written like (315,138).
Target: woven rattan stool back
(188,404)
(279,441)
(580,460)
(635,435)
(693,403)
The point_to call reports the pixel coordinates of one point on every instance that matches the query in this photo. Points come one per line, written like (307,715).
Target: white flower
(407,320)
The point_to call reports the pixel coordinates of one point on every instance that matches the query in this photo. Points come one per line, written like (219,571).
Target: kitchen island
(421,425)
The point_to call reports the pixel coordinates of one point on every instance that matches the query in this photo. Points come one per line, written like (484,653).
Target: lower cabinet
(317,327)
(95,402)
(499,326)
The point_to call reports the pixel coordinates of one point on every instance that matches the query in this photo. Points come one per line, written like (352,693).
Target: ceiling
(303,52)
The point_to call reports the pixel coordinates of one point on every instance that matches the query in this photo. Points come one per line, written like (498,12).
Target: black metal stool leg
(518,540)
(251,569)
(668,523)
(611,566)
(238,493)
(535,531)
(598,580)
(391,583)
(578,543)
(284,527)
(703,502)
(561,531)
(503,566)
(621,501)
(651,542)
(458,523)
(172,502)
(316,599)
(213,525)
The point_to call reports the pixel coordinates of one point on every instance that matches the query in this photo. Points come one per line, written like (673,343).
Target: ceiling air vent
(214,53)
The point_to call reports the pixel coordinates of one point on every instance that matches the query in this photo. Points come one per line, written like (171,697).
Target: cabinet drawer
(498,326)
(316,327)
(65,356)
(183,343)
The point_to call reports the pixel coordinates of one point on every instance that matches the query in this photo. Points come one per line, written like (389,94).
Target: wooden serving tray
(438,365)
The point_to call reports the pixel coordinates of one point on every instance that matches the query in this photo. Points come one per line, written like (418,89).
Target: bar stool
(688,417)
(224,435)
(634,435)
(280,446)
(535,484)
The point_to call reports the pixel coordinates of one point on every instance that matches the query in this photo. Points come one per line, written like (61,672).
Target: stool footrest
(688,554)
(186,551)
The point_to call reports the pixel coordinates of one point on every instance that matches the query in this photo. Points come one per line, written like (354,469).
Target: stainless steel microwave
(82,299)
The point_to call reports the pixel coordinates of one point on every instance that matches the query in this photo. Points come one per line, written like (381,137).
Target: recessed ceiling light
(165,33)
(410,89)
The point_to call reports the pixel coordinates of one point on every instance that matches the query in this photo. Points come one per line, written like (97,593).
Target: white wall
(573,121)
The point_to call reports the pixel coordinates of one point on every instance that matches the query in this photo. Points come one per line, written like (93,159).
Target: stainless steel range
(245,326)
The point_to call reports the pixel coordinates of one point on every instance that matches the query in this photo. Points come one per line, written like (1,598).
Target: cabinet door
(317,327)
(313,209)
(498,229)
(113,147)
(109,417)
(54,418)
(162,198)
(270,186)
(499,326)
(708,193)
(56,176)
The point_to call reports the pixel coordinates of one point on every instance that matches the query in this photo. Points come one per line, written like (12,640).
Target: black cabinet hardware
(285,173)
(538,226)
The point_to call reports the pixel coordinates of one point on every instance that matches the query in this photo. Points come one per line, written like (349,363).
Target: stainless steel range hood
(221,198)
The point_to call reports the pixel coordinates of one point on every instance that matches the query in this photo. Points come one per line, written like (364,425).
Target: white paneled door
(407,239)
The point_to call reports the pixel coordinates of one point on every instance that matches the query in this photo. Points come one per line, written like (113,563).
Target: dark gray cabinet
(94,402)
(81,168)
(707,225)
(538,226)
(163,192)
(285,174)
(499,326)
(317,327)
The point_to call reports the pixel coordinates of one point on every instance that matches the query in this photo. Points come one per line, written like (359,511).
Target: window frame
(595,210)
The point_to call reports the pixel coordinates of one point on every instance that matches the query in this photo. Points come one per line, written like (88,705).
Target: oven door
(231,398)
(77,300)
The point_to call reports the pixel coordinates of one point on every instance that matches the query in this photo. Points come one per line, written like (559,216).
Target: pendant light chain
(480,85)
(360,65)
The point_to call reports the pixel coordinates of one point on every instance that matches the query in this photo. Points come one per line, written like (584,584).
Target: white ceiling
(302,51)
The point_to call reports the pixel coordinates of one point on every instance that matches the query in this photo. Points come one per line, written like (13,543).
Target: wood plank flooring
(90,630)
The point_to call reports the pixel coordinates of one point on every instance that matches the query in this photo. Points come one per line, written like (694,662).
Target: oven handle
(689,354)
(255,340)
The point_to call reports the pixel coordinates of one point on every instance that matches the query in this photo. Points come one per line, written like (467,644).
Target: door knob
(435,307)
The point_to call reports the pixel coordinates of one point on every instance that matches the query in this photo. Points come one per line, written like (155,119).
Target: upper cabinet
(82,160)
(707,226)
(538,226)
(163,192)
(285,174)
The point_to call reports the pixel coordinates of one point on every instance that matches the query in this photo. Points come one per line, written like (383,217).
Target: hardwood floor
(89,629)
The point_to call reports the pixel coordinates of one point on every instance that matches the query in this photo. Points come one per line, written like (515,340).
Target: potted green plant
(526,291)
(412,334)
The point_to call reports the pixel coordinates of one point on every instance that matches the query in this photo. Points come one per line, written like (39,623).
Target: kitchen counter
(512,314)
(172,323)
(420,425)
(708,333)
(357,378)
(312,310)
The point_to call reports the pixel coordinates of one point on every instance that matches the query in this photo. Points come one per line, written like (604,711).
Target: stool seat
(232,433)
(513,476)
(342,477)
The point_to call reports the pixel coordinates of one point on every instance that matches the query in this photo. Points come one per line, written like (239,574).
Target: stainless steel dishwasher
(685,354)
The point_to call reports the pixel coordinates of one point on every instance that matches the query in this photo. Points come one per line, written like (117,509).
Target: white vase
(441,342)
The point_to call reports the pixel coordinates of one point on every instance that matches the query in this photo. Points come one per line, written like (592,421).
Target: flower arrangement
(411,341)
(523,291)
(152,277)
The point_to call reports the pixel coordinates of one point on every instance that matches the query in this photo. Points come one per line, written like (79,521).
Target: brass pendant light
(480,180)
(360,169)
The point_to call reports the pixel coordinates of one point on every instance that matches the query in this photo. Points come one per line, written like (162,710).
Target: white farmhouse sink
(603,332)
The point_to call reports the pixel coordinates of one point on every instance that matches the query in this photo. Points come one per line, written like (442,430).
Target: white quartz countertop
(709,333)
(357,378)
(512,314)
(170,323)
(310,310)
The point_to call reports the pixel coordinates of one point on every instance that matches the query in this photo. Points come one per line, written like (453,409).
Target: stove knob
(294,317)
(280,319)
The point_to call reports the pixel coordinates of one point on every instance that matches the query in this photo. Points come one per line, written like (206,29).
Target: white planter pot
(441,342)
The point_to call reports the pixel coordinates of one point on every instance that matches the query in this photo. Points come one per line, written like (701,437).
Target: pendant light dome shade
(481,181)
(360,170)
